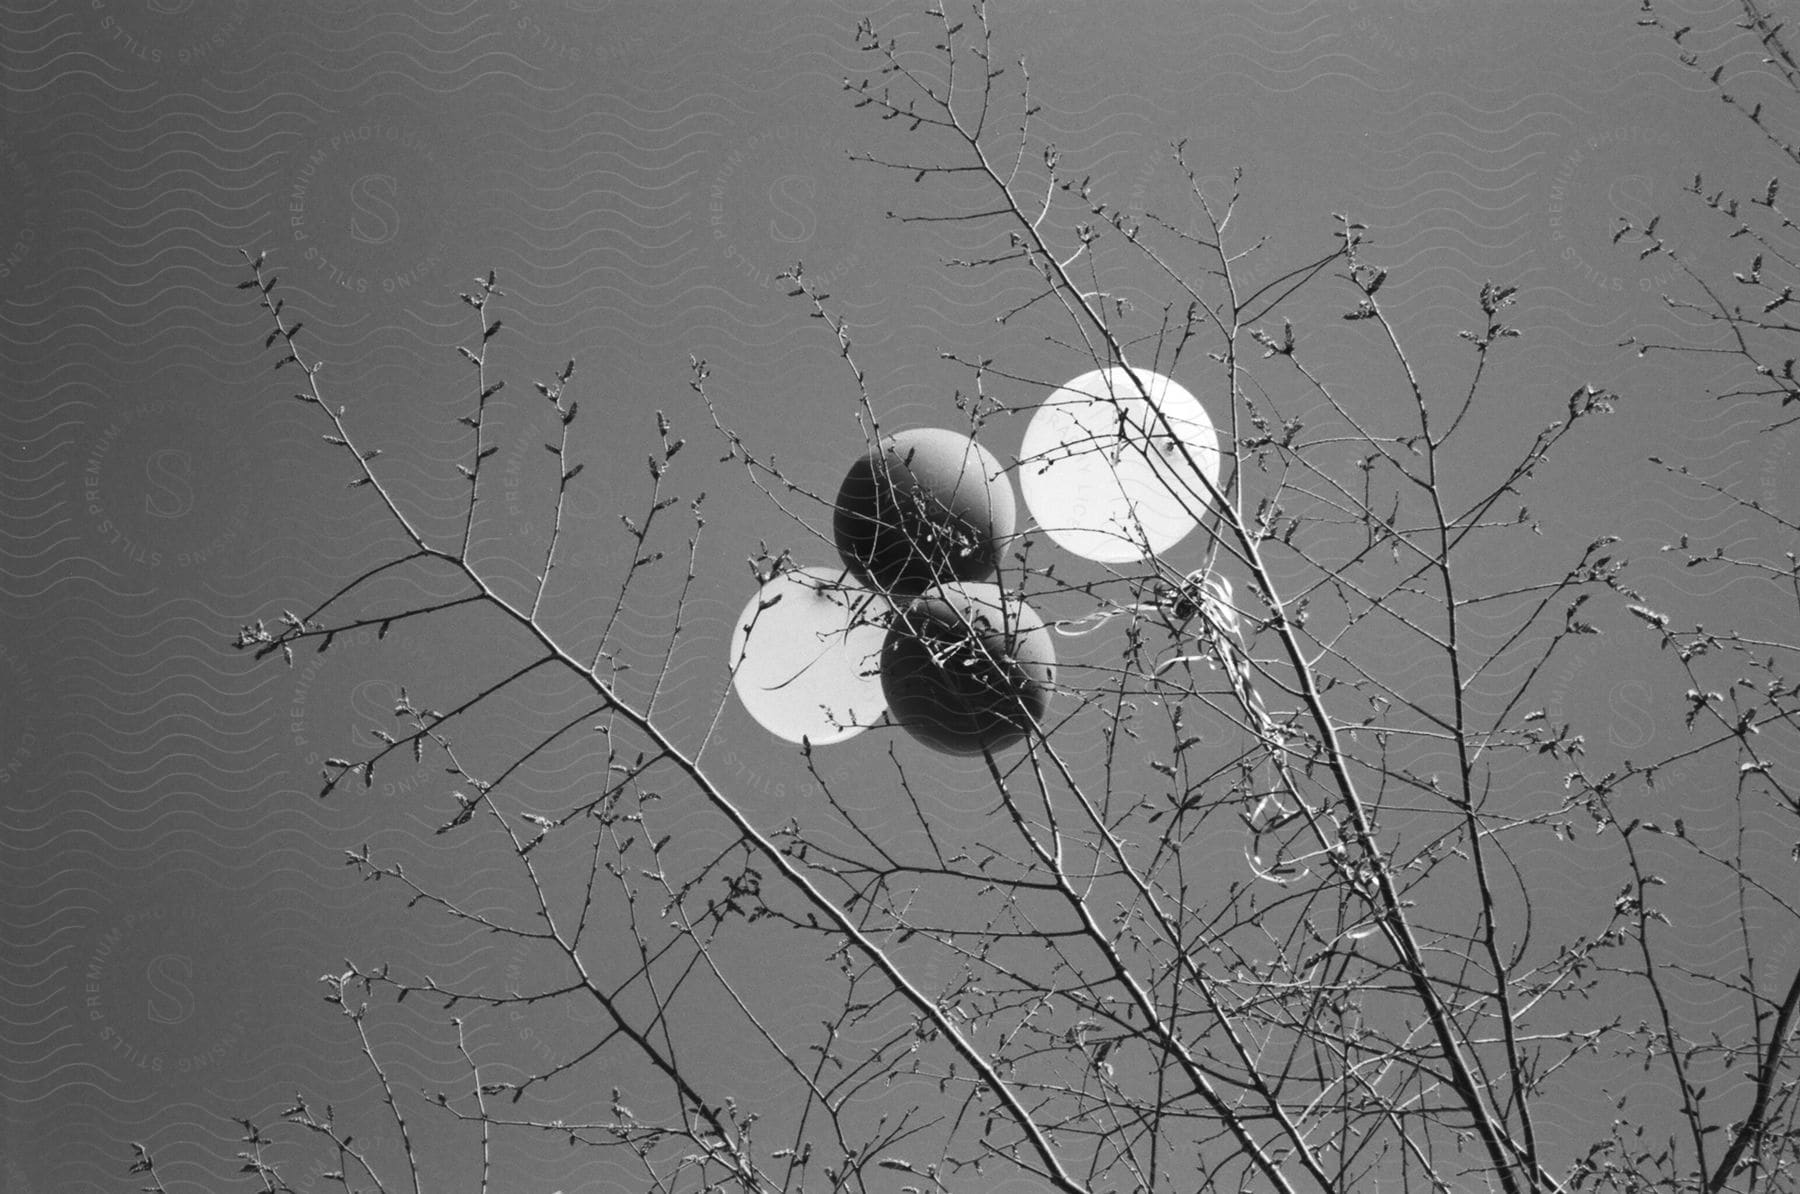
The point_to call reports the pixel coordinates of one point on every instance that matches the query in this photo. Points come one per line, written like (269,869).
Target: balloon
(1102,475)
(923,508)
(965,668)
(804,656)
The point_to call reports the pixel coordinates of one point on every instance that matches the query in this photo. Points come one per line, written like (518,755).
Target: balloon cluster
(1113,466)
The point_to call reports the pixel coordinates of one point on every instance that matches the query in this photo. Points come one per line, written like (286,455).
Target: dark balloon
(923,508)
(965,668)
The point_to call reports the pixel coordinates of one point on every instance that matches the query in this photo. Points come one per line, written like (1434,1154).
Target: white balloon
(806,656)
(1101,473)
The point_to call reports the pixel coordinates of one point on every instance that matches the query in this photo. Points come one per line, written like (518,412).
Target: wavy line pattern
(638,179)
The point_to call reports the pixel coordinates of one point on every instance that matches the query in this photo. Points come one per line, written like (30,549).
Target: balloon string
(1219,644)
(1224,642)
(1087,624)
